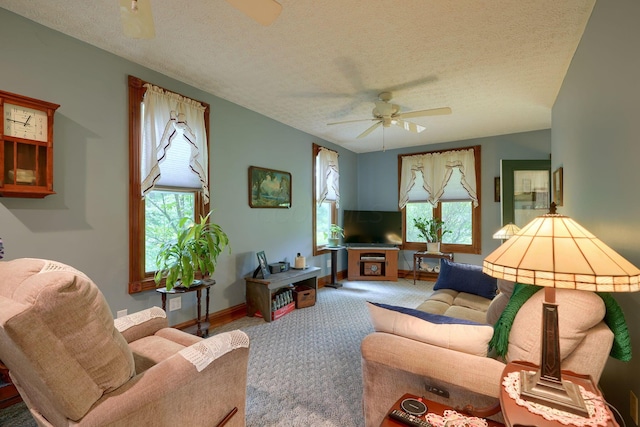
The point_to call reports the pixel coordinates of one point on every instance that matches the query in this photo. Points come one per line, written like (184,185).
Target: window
(168,172)
(326,195)
(445,185)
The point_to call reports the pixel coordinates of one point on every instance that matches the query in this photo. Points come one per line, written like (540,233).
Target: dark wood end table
(417,259)
(334,266)
(515,414)
(8,393)
(202,327)
(432,407)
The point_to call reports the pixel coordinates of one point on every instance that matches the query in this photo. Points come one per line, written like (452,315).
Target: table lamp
(556,252)
(506,232)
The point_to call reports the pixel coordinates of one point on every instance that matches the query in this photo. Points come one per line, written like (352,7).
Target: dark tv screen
(372,227)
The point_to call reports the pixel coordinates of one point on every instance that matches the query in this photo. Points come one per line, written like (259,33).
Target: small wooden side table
(334,266)
(432,407)
(202,328)
(515,414)
(8,393)
(417,258)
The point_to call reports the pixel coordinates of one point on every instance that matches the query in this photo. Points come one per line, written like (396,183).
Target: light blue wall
(596,139)
(86,223)
(378,180)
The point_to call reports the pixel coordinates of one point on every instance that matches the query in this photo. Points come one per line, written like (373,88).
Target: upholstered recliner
(406,356)
(74,366)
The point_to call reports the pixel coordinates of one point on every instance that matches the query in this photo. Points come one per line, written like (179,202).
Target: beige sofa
(74,366)
(397,359)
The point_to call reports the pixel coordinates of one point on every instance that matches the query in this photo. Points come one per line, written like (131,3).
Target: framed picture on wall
(269,188)
(557,187)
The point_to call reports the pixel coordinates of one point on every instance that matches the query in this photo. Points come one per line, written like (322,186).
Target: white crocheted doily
(201,354)
(598,415)
(126,322)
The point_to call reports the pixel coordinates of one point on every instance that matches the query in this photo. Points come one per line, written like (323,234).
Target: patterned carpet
(305,368)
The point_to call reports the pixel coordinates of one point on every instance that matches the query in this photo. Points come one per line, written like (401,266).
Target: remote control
(409,419)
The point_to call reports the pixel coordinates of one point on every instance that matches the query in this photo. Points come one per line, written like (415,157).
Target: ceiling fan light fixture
(262,11)
(386,114)
(137,20)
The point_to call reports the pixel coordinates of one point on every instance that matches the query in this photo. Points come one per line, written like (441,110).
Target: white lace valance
(125,322)
(203,353)
(174,142)
(436,171)
(328,182)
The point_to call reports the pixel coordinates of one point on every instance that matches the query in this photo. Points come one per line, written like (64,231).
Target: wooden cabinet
(373,263)
(26,146)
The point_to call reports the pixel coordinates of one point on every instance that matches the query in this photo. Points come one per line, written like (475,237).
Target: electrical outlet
(175,304)
(633,407)
(439,391)
(328,263)
(122,313)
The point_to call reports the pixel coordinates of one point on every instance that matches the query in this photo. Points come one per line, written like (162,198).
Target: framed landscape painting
(269,188)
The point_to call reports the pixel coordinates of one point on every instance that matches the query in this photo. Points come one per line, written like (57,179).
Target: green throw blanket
(614,318)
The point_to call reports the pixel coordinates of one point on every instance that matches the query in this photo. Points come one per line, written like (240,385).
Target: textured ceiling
(498,64)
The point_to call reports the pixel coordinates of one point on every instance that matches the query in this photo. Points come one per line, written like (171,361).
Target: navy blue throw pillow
(465,278)
(438,319)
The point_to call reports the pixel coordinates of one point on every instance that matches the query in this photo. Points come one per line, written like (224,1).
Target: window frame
(476,217)
(318,249)
(139,279)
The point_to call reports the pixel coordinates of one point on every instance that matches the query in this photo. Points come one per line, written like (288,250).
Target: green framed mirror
(526,189)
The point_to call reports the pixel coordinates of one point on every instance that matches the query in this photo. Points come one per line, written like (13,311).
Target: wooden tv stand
(373,263)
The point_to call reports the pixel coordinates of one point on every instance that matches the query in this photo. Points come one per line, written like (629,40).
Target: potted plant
(194,251)
(432,230)
(335,232)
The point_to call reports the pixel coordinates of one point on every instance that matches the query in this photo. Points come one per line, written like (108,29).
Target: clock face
(23,122)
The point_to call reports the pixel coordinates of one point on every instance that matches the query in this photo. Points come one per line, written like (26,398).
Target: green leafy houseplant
(335,232)
(195,249)
(431,229)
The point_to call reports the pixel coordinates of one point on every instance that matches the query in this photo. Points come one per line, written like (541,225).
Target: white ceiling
(498,64)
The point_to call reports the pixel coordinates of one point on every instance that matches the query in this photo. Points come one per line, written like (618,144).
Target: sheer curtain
(436,170)
(328,184)
(174,141)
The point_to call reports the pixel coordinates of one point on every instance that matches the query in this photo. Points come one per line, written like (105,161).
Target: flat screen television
(382,228)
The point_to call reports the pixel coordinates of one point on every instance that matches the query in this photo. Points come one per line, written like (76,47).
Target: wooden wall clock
(26,146)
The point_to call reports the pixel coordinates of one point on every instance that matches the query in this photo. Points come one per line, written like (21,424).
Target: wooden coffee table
(433,407)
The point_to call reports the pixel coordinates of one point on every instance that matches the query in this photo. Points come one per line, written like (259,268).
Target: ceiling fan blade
(262,11)
(137,20)
(371,129)
(423,113)
(350,121)
(411,127)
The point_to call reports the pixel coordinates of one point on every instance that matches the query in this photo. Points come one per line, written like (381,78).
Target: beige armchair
(393,364)
(74,366)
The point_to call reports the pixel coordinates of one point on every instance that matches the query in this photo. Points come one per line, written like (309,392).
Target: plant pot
(433,247)
(334,242)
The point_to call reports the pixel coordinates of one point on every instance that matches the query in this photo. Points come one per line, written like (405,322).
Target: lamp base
(561,395)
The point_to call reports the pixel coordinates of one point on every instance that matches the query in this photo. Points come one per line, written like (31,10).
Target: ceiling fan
(137,20)
(386,114)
